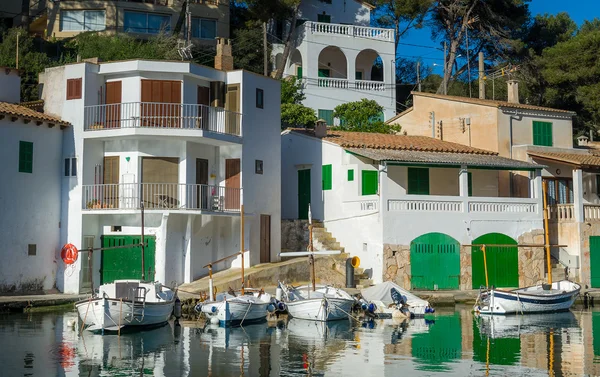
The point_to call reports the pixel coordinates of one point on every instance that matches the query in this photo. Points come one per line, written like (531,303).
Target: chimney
(513,91)
(224,59)
(582,141)
(321,128)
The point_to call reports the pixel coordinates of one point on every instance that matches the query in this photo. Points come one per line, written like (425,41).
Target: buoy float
(69,253)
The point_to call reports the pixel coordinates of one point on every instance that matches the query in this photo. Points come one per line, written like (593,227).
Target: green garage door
(595,261)
(435,262)
(502,261)
(126,263)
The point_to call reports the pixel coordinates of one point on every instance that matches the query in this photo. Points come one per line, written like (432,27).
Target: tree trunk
(181,18)
(288,43)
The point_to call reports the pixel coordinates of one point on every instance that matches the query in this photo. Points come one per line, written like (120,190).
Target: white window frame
(83,26)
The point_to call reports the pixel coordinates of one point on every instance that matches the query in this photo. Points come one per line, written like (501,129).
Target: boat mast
(143,261)
(546,232)
(242,243)
(311,257)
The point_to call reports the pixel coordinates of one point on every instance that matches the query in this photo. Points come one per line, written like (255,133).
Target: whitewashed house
(192,143)
(410,207)
(31,151)
(340,57)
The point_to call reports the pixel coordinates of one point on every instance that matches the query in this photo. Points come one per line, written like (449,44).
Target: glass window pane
(73,167)
(208,29)
(195,28)
(562,192)
(157,22)
(135,22)
(71,20)
(67,167)
(95,20)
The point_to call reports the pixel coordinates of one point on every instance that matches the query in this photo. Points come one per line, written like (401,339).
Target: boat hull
(112,314)
(233,313)
(320,309)
(527,301)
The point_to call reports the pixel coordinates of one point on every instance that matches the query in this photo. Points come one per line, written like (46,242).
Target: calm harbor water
(447,343)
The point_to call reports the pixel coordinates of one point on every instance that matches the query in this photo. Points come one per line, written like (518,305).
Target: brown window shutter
(74,88)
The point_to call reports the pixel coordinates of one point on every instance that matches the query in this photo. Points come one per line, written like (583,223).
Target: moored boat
(237,309)
(389,300)
(324,303)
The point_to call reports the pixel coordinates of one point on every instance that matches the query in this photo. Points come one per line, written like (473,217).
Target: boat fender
(371,307)
(198,308)
(208,309)
(177,308)
(278,293)
(281,306)
(271,308)
(214,320)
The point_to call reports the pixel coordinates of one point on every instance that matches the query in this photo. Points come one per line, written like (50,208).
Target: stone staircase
(324,240)
(558,270)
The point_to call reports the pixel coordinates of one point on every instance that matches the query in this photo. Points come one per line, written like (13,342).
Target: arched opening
(369,66)
(332,63)
(502,261)
(435,262)
(295,65)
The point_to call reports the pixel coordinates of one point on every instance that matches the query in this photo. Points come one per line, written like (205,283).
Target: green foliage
(297,115)
(291,90)
(400,15)
(362,116)
(247,50)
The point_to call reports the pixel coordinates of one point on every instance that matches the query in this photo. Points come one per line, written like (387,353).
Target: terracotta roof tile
(30,114)
(393,142)
(578,159)
(489,102)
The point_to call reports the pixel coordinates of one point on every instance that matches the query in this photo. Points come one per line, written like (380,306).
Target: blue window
(82,20)
(204,28)
(148,23)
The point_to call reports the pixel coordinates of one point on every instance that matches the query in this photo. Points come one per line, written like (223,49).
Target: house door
(110,188)
(113,104)
(126,263)
(303,193)
(232,105)
(203,111)
(232,183)
(435,262)
(161,103)
(202,190)
(502,262)
(160,177)
(595,261)
(265,239)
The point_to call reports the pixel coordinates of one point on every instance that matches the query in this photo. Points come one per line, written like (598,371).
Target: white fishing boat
(542,298)
(391,300)
(324,303)
(127,303)
(517,325)
(312,302)
(237,309)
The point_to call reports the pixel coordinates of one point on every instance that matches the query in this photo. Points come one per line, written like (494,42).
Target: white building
(410,207)
(340,58)
(30,148)
(190,142)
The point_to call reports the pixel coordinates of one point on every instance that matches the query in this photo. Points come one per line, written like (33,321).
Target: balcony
(336,83)
(165,116)
(566,212)
(354,31)
(160,196)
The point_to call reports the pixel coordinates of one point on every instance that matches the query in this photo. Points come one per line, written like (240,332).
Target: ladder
(138,303)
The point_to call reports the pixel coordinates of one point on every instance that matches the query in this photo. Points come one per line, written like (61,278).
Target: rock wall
(466,268)
(531,259)
(294,235)
(396,264)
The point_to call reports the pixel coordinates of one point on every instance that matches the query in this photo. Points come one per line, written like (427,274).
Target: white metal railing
(591,212)
(455,204)
(369,85)
(350,30)
(561,212)
(161,196)
(328,82)
(162,115)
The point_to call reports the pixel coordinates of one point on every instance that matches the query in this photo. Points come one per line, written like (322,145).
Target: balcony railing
(561,212)
(369,85)
(327,82)
(161,196)
(453,204)
(162,115)
(350,30)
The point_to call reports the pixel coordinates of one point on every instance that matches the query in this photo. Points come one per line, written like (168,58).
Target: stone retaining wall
(294,235)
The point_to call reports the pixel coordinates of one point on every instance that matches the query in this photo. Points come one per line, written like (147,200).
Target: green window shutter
(25,157)
(324,72)
(358,75)
(351,175)
(299,72)
(326,177)
(542,133)
(470,179)
(327,116)
(324,18)
(418,181)
(369,182)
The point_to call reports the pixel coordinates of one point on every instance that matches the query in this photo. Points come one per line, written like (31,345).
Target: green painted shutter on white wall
(369,182)
(542,133)
(350,175)
(25,157)
(418,181)
(327,116)
(326,177)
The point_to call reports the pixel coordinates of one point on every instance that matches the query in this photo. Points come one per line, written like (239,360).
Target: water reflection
(452,343)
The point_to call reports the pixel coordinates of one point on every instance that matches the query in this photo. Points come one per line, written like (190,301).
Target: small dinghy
(236,309)
(387,300)
(542,298)
(318,303)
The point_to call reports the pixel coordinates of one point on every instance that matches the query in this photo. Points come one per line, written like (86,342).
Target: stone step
(365,282)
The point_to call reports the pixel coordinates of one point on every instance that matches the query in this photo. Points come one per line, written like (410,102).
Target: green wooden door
(502,261)
(595,261)
(435,261)
(303,193)
(442,344)
(126,263)
(596,332)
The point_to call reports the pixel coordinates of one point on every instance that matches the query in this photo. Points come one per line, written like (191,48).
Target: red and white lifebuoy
(69,253)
